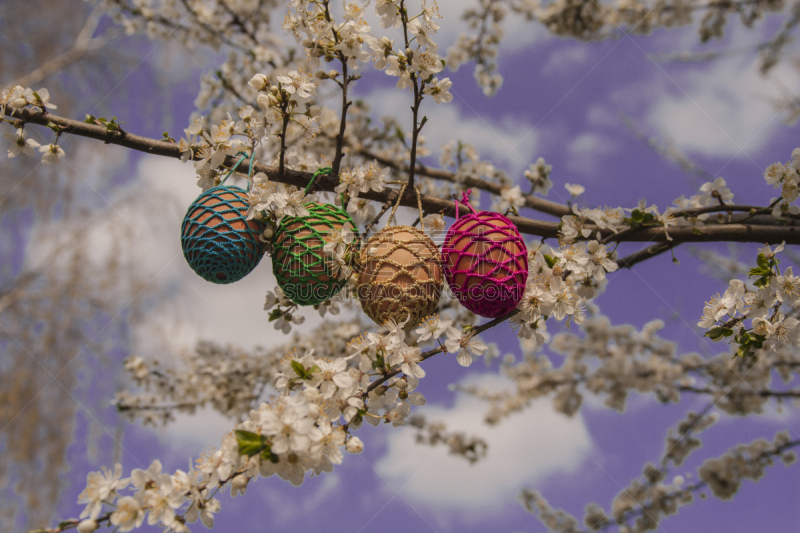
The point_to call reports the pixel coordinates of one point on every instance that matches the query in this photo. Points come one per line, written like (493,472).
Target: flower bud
(264,101)
(239,485)
(268,233)
(87,526)
(321,74)
(354,445)
(259,82)
(333,73)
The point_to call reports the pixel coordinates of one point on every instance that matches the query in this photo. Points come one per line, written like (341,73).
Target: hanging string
(233,169)
(397,204)
(419,203)
(319,172)
(391,215)
(464,200)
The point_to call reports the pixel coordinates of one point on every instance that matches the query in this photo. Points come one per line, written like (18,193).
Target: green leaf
(761,282)
(267,455)
(762,261)
(550,260)
(250,443)
(760,271)
(299,369)
(275,314)
(715,334)
(744,350)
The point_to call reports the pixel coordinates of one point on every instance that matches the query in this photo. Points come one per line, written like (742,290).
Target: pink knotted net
(485,262)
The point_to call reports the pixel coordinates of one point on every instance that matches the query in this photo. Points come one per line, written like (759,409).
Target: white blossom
(20,143)
(101,486)
(539,176)
(465,345)
(440,90)
(52,154)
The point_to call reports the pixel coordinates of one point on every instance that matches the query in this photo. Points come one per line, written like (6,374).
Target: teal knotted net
(218,241)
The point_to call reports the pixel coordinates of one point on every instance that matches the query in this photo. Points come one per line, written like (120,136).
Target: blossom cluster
(340,247)
(315,30)
(279,104)
(583,222)
(592,21)
(408,64)
(303,430)
(762,302)
(18,98)
(559,283)
(785,177)
(273,200)
(642,505)
(364,178)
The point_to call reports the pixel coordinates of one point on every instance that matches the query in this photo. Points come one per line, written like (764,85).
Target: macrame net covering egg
(402,278)
(485,262)
(299,261)
(218,241)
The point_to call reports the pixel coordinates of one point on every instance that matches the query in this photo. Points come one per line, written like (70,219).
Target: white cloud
(586,149)
(721,111)
(506,142)
(226,313)
(231,313)
(189,435)
(601,115)
(523,450)
(285,506)
(565,59)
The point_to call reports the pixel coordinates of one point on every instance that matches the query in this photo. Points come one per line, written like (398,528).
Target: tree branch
(430,353)
(83,43)
(712,233)
(534,202)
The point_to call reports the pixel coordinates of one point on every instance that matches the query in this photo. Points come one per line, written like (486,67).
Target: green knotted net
(299,262)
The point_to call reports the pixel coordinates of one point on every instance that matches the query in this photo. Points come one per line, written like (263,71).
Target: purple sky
(569,94)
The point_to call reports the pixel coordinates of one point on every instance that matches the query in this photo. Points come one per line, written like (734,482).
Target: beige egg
(402,278)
